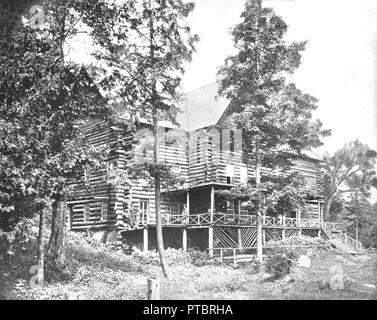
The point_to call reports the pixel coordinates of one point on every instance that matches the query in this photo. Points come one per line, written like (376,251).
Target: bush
(172,256)
(252,267)
(279,262)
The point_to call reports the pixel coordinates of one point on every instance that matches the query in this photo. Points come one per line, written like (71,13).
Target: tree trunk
(259,213)
(157,181)
(41,254)
(326,211)
(157,186)
(56,243)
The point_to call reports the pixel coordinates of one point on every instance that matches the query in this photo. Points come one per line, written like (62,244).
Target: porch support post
(212,208)
(319,233)
(188,202)
(299,217)
(184,239)
(321,211)
(210,241)
(263,236)
(283,234)
(299,232)
(210,230)
(239,238)
(145,239)
(187,219)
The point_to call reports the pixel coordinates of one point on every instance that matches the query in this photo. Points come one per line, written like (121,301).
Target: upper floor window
(175,208)
(86,212)
(144,207)
(198,150)
(243,174)
(231,142)
(111,167)
(104,211)
(170,136)
(176,169)
(229,173)
(87,174)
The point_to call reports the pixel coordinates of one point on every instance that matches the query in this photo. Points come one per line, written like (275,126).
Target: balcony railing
(231,219)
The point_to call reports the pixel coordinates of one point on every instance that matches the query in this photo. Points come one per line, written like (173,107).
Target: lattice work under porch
(225,237)
(289,233)
(272,234)
(248,237)
(310,233)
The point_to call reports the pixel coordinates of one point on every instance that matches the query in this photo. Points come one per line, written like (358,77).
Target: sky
(339,66)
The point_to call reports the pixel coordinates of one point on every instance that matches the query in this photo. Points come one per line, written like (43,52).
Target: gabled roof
(201,108)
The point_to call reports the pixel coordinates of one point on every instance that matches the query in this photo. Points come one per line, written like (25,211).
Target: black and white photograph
(202,151)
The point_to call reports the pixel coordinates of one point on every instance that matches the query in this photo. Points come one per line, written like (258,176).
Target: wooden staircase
(339,238)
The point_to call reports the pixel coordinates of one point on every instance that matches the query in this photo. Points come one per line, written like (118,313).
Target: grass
(100,272)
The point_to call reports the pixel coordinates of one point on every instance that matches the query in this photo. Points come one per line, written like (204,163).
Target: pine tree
(275,116)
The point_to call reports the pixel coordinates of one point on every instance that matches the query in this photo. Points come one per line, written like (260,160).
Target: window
(170,136)
(111,167)
(229,173)
(104,212)
(243,174)
(175,208)
(230,207)
(86,212)
(198,150)
(144,207)
(221,141)
(87,174)
(231,147)
(176,169)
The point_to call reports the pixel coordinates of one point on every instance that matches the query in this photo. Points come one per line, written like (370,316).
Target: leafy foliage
(350,170)
(279,262)
(276,117)
(44,98)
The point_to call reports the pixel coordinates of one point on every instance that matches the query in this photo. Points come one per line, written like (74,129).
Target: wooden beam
(239,238)
(145,239)
(299,217)
(184,239)
(212,208)
(188,202)
(210,241)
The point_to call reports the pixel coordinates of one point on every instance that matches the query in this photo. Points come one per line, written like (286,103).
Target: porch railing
(218,218)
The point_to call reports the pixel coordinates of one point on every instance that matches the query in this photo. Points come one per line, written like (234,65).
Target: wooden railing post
(210,241)
(299,218)
(153,289)
(184,239)
(239,238)
(145,239)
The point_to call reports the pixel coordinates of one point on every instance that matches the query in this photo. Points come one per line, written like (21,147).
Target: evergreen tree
(275,116)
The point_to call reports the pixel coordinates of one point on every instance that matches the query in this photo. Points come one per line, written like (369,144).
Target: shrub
(252,267)
(172,256)
(279,262)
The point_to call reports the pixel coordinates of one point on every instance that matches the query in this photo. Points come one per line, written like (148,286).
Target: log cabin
(206,152)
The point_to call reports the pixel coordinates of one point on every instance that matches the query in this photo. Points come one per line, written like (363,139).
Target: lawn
(101,272)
